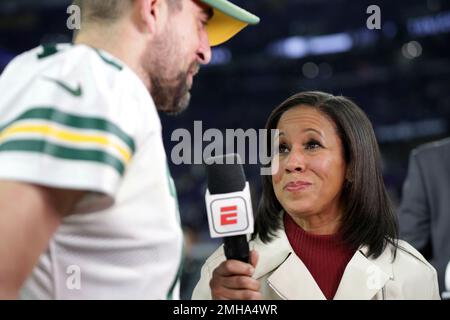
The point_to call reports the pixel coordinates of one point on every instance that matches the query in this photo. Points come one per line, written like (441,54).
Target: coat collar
(287,275)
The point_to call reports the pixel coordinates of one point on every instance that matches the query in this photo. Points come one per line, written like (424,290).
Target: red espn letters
(226,215)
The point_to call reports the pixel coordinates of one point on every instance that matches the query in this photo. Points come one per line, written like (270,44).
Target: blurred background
(399,75)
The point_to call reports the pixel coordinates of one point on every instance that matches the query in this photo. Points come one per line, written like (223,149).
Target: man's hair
(368,217)
(108,11)
(175,5)
(101,11)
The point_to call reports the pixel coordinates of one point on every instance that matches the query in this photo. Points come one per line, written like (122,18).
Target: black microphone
(229,206)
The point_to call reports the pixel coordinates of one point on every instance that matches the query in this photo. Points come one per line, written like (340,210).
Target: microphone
(229,206)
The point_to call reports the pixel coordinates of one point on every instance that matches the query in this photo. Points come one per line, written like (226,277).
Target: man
(424,213)
(88,209)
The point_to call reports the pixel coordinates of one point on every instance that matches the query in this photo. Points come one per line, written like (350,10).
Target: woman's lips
(295,186)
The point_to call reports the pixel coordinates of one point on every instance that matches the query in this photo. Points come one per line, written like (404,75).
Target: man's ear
(152,14)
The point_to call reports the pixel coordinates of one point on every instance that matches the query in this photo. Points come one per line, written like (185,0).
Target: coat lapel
(293,281)
(290,278)
(286,274)
(363,278)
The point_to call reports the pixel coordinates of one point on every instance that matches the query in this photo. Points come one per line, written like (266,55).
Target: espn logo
(228,215)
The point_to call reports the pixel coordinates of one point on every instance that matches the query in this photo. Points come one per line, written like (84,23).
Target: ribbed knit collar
(295,231)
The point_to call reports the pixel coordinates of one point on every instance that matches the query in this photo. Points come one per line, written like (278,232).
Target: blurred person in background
(88,208)
(325,228)
(424,213)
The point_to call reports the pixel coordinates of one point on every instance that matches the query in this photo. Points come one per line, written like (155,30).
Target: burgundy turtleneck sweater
(325,256)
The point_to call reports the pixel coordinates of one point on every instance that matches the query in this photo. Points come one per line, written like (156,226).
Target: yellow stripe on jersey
(62,135)
(78,122)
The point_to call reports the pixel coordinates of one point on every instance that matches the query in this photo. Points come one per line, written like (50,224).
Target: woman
(325,228)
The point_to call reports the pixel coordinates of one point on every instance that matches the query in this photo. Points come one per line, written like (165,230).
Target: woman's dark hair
(368,218)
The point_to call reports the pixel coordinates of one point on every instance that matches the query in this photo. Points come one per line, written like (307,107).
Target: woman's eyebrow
(314,130)
(281,133)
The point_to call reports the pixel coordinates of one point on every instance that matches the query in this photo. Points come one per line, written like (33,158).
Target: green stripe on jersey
(48,50)
(109,61)
(177,279)
(62,152)
(53,115)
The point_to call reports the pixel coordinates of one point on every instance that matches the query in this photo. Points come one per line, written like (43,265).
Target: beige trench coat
(283,275)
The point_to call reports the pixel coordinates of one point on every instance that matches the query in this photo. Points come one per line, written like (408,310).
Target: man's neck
(124,48)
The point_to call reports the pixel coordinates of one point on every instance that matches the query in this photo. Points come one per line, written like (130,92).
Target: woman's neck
(318,224)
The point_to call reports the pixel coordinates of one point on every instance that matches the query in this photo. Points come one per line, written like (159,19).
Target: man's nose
(204,50)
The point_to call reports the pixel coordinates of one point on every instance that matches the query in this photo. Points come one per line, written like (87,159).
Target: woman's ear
(349,175)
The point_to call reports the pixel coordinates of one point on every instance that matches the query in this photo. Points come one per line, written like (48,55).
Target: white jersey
(74,117)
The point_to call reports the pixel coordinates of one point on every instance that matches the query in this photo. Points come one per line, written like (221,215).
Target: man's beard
(169,90)
(171,98)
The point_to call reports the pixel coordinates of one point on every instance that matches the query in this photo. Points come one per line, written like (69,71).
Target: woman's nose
(295,162)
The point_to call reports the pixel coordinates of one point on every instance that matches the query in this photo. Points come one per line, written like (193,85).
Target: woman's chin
(302,210)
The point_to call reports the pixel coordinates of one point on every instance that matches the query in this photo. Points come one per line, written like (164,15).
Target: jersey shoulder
(79,81)
(70,107)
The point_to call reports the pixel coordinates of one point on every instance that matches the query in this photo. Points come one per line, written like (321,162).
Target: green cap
(227,20)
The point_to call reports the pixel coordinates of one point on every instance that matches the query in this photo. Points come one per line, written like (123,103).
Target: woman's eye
(311,145)
(283,148)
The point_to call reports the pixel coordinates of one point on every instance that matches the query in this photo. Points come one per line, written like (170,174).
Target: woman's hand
(232,280)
